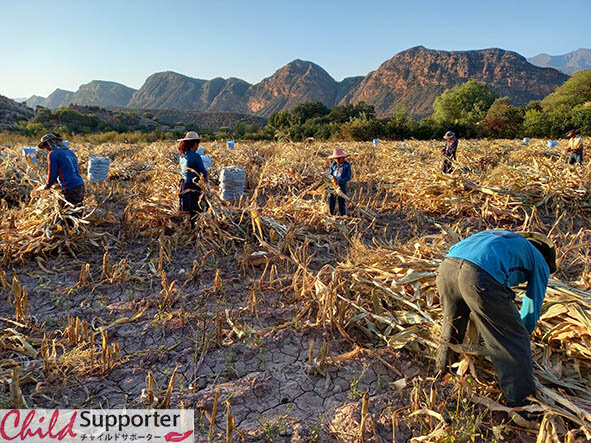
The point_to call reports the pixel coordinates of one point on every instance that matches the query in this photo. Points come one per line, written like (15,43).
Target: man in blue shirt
(449,152)
(62,167)
(476,277)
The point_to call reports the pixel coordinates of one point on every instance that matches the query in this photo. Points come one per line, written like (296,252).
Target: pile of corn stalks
(42,223)
(388,292)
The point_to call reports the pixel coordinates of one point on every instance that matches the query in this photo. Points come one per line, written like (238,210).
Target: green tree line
(470,109)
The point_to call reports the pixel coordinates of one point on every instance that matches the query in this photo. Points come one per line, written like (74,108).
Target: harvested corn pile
(86,295)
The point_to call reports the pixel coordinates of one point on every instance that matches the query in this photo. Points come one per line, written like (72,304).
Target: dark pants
(191,200)
(332,200)
(465,288)
(575,157)
(75,196)
(447,165)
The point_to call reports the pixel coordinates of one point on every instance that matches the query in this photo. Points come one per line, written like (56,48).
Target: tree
(344,113)
(362,129)
(581,118)
(401,125)
(279,120)
(503,120)
(534,104)
(560,119)
(42,115)
(362,109)
(465,104)
(239,129)
(575,91)
(300,113)
(536,124)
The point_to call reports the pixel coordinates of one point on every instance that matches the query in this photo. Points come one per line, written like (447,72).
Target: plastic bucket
(230,144)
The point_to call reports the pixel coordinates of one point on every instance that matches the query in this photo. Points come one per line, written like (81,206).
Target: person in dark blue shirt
(62,167)
(449,152)
(191,198)
(476,278)
(340,174)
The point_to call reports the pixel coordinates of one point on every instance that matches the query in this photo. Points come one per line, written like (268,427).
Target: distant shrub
(401,125)
(536,124)
(503,120)
(362,129)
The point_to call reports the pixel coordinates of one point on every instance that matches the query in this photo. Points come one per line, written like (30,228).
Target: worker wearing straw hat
(575,147)
(192,169)
(449,152)
(340,174)
(62,167)
(475,278)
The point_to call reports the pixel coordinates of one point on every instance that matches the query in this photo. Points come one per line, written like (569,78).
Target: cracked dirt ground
(257,360)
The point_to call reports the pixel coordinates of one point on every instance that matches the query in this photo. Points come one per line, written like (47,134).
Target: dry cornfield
(274,321)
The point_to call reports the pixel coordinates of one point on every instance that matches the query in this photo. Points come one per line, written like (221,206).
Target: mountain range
(12,111)
(569,63)
(413,78)
(96,93)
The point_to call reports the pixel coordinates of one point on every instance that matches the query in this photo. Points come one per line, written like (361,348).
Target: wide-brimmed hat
(449,134)
(572,133)
(544,245)
(48,137)
(191,135)
(338,153)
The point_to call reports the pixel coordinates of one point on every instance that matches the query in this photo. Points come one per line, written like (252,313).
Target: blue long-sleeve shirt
(451,146)
(510,259)
(192,166)
(342,174)
(62,166)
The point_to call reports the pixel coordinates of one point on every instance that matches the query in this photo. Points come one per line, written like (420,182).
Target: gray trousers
(465,288)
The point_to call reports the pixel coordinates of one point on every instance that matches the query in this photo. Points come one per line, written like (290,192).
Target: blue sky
(62,44)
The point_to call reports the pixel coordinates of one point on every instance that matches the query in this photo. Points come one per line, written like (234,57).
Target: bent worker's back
(63,168)
(510,259)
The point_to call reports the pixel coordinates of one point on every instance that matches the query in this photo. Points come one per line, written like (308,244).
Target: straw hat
(48,137)
(449,134)
(191,135)
(544,245)
(572,133)
(338,153)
